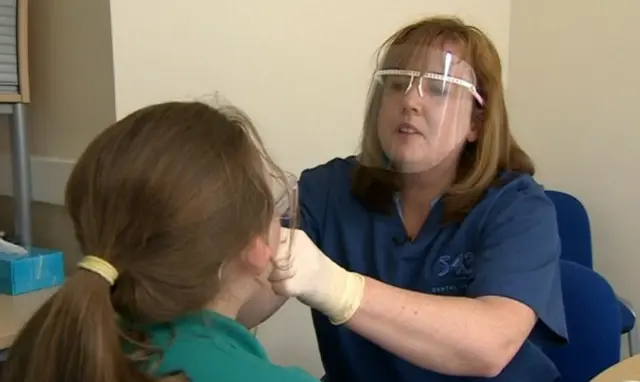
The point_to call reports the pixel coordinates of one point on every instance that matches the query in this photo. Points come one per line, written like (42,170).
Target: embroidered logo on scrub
(453,273)
(459,265)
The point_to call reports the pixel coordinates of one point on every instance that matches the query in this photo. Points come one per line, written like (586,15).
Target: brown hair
(481,162)
(165,195)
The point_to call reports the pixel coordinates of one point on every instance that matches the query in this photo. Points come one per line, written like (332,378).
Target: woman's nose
(412,101)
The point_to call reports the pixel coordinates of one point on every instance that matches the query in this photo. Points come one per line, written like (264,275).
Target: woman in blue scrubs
(433,255)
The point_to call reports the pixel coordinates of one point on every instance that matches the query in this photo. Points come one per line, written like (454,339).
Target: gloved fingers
(281,274)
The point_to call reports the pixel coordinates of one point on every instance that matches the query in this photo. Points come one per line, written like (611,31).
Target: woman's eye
(435,87)
(398,83)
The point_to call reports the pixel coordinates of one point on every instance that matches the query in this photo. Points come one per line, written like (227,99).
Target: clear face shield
(421,112)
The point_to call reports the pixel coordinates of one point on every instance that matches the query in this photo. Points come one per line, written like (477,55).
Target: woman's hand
(302,270)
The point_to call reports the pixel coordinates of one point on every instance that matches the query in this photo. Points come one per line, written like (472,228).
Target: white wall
(573,95)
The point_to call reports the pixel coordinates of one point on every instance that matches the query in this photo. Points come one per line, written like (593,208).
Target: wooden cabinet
(14,52)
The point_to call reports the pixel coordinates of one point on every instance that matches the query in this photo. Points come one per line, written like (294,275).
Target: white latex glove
(302,270)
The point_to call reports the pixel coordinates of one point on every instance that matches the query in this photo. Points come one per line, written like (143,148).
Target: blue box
(40,269)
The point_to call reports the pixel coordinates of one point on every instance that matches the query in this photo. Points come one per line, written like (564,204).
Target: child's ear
(257,257)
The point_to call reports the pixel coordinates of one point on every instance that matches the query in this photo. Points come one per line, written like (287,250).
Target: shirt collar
(223,328)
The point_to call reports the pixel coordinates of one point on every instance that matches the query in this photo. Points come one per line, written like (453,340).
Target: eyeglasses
(285,195)
(428,83)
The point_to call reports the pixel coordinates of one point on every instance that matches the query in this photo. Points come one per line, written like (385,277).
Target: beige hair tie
(100,267)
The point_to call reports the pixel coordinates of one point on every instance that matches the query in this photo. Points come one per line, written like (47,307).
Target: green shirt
(207,347)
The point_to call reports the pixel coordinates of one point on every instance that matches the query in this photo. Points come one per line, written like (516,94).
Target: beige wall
(299,69)
(573,96)
(71,69)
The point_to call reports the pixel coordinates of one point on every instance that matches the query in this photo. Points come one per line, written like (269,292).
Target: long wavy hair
(165,195)
(480,162)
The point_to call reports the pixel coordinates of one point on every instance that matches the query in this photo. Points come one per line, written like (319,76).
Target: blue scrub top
(508,245)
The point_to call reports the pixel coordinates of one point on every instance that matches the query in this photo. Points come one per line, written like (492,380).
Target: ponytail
(74,336)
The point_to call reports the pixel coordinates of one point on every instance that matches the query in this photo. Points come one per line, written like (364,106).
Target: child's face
(282,204)
(273,244)
(274,235)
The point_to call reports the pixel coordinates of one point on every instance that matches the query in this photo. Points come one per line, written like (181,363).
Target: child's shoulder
(205,359)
